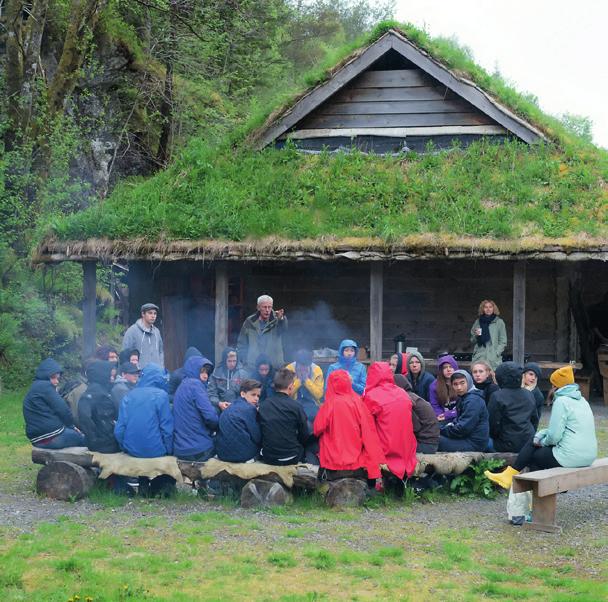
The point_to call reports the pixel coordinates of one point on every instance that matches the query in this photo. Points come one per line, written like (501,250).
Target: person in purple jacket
(441,394)
(195,419)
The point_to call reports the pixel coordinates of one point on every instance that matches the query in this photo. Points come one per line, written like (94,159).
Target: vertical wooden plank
(519,311)
(376,294)
(221,310)
(89,297)
(562,318)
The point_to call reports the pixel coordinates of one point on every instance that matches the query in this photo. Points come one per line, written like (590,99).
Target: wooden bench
(546,484)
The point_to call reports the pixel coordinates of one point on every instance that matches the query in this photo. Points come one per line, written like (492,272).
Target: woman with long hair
(489,334)
(484,379)
(441,394)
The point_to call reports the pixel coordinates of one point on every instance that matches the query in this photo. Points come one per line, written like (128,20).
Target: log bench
(546,484)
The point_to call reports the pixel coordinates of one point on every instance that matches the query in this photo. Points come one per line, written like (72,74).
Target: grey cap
(148,307)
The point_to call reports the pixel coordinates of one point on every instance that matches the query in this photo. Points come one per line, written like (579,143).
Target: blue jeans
(67,438)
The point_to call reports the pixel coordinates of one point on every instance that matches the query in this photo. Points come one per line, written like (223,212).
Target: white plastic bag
(519,506)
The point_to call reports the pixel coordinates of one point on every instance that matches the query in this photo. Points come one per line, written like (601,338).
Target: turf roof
(487,192)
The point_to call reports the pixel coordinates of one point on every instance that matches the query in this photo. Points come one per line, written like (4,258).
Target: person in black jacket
(175,380)
(483,378)
(263,373)
(239,437)
(469,431)
(512,410)
(532,374)
(97,412)
(285,431)
(48,420)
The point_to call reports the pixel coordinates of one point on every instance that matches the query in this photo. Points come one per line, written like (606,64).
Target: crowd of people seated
(352,420)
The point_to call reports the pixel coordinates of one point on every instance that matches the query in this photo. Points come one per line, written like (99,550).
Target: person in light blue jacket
(569,440)
(347,360)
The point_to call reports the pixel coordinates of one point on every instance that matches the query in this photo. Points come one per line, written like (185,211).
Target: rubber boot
(504,478)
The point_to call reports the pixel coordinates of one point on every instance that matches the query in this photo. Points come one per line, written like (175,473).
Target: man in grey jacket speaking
(145,337)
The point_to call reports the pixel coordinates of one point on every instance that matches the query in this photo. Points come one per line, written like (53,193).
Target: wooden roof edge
(354,249)
(359,60)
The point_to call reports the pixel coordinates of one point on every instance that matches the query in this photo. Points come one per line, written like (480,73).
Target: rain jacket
(450,411)
(421,383)
(96,410)
(195,419)
(310,392)
(347,434)
(539,398)
(267,386)
(488,387)
(257,337)
(239,437)
(352,366)
(224,384)
(145,424)
(492,351)
(178,375)
(46,413)
(471,424)
(571,429)
(512,410)
(120,388)
(391,408)
(148,342)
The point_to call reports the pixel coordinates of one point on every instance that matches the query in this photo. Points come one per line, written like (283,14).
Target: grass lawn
(109,548)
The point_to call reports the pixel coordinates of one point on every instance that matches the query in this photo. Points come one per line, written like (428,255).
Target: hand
(280,314)
(478,332)
(441,417)
(223,405)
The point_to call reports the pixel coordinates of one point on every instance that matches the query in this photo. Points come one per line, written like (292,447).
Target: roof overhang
(415,247)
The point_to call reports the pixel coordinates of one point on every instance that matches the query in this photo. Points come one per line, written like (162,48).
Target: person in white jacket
(145,337)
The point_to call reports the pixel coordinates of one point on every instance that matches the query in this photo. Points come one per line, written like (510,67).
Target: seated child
(263,373)
(239,437)
(483,378)
(348,440)
(347,360)
(441,394)
(308,385)
(469,431)
(283,423)
(225,382)
(532,375)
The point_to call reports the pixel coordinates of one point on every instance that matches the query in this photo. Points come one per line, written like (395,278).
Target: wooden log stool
(64,481)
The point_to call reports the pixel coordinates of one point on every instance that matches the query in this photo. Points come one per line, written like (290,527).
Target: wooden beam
(519,311)
(89,299)
(221,310)
(376,294)
(399,132)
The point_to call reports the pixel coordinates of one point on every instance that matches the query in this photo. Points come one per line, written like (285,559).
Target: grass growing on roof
(486,190)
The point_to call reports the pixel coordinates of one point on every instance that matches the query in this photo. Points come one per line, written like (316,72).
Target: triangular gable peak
(394,96)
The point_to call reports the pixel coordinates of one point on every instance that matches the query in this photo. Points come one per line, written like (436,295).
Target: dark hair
(208,368)
(103,352)
(249,384)
(283,378)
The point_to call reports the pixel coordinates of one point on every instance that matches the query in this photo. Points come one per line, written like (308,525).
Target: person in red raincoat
(391,408)
(347,434)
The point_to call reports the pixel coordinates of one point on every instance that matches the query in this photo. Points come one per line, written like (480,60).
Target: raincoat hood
(225,353)
(418,355)
(447,359)
(339,384)
(263,359)
(469,378)
(194,365)
(192,352)
(533,367)
(508,375)
(100,372)
(47,368)
(125,355)
(379,373)
(347,363)
(152,376)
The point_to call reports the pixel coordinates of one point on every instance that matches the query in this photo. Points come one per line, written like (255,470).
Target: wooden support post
(519,311)
(89,299)
(221,310)
(562,319)
(376,294)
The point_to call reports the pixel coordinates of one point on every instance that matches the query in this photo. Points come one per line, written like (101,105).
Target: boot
(504,478)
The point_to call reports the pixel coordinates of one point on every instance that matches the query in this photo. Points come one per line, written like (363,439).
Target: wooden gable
(394,97)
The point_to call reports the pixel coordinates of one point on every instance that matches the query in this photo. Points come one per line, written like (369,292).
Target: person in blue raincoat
(347,360)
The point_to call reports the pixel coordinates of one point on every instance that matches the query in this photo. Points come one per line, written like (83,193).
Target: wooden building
(389,97)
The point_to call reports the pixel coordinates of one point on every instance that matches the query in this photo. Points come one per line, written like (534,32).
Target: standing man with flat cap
(145,337)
